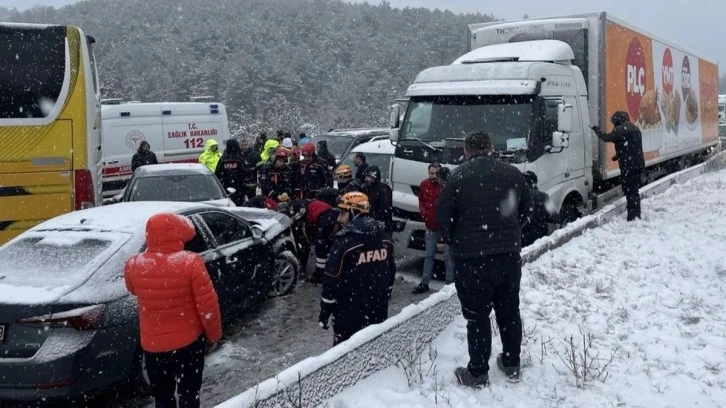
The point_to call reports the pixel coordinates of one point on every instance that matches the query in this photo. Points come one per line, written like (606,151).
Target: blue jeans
(431,239)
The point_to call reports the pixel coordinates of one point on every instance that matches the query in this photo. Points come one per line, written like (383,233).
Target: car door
(237,263)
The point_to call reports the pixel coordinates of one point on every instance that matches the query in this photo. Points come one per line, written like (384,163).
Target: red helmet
(282,154)
(308,149)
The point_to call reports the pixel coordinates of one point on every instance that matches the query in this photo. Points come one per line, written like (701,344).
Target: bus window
(33,71)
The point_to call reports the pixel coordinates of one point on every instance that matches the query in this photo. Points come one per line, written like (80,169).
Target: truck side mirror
(395,116)
(560,141)
(394,135)
(564,118)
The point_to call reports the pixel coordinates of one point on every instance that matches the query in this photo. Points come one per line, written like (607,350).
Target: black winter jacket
(236,168)
(380,197)
(542,214)
(309,177)
(628,145)
(142,159)
(360,173)
(482,208)
(359,276)
(274,181)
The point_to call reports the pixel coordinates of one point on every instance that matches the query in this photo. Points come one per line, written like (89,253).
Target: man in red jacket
(428,195)
(178,310)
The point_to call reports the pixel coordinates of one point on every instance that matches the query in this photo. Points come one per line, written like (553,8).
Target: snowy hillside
(646,299)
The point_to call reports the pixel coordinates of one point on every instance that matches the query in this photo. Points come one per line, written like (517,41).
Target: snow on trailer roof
(121,217)
(173,169)
(356,132)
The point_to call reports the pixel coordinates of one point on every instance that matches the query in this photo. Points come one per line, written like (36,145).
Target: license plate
(2,333)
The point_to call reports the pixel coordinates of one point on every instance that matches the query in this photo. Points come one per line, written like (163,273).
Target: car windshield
(337,145)
(507,119)
(383,161)
(49,261)
(188,187)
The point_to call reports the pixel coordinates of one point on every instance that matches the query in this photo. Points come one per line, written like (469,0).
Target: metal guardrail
(315,380)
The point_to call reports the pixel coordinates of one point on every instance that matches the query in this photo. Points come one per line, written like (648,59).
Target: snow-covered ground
(646,299)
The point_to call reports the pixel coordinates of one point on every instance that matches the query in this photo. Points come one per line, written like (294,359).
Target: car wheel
(287,270)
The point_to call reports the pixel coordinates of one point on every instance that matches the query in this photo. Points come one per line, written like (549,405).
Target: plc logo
(635,77)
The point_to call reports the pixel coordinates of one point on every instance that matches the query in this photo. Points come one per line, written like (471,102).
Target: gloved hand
(323,319)
(615,158)
(326,309)
(595,128)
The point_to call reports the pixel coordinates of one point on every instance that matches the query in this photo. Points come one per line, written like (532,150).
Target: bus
(50,125)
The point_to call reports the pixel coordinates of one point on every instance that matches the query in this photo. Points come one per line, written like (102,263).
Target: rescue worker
(629,154)
(360,272)
(343,175)
(211,154)
(275,176)
(311,174)
(230,170)
(269,148)
(260,143)
(143,156)
(481,211)
(381,198)
(325,155)
(543,213)
(249,174)
(179,315)
(323,220)
(359,161)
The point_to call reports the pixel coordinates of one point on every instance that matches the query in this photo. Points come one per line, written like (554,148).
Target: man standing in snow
(481,211)
(429,191)
(629,154)
(360,271)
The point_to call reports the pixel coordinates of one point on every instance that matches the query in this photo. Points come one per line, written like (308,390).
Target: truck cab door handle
(231,260)
(408,151)
(112,162)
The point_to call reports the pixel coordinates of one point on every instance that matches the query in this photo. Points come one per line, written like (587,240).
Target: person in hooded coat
(543,213)
(269,148)
(360,272)
(211,154)
(325,155)
(178,310)
(311,174)
(381,197)
(143,156)
(231,171)
(629,154)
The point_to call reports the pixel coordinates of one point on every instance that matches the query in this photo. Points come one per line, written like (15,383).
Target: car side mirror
(394,135)
(564,117)
(231,190)
(395,116)
(257,233)
(560,142)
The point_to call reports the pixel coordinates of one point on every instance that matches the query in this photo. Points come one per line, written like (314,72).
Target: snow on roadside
(650,293)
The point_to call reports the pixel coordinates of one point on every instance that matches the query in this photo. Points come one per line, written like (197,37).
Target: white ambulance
(176,132)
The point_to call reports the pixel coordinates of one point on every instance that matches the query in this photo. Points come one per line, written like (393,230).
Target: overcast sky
(698,25)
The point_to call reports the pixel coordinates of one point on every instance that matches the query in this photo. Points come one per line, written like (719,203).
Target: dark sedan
(67,323)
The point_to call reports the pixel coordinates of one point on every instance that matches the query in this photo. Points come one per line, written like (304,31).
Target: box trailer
(536,86)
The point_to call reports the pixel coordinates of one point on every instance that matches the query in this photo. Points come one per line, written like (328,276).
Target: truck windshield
(507,119)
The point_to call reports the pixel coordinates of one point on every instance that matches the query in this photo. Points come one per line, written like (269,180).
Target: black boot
(421,288)
(512,373)
(466,378)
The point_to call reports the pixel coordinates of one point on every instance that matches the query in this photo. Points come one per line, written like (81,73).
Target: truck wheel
(569,211)
(287,270)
